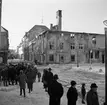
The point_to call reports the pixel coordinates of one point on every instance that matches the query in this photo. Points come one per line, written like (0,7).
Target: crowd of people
(24,73)
(20,74)
(56,90)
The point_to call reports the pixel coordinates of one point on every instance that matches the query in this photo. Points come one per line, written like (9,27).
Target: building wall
(81,55)
(40,50)
(4,45)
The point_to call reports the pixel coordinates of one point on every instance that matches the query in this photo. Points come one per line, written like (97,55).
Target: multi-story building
(56,46)
(4,45)
(29,40)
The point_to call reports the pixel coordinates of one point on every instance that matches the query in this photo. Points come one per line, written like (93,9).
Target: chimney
(59,19)
(51,26)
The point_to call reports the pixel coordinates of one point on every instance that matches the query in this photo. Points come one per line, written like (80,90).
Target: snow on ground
(83,74)
(10,95)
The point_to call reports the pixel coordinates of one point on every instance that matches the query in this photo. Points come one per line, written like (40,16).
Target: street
(10,95)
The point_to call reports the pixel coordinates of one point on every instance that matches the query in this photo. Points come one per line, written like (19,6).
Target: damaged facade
(56,46)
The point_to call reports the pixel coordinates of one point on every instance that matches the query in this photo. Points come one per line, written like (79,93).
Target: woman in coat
(22,82)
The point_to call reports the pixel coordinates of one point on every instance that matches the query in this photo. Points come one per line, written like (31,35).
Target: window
(72,58)
(61,45)
(72,45)
(72,35)
(94,40)
(90,54)
(80,46)
(96,54)
(51,57)
(62,58)
(51,45)
(62,34)
(82,36)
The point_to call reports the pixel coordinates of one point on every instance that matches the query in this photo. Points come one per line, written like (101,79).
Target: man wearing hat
(55,91)
(49,77)
(72,94)
(92,96)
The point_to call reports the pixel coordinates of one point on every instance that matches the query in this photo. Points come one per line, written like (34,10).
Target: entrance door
(61,59)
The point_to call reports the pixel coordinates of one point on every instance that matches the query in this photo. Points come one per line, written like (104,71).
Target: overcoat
(22,81)
(72,96)
(92,98)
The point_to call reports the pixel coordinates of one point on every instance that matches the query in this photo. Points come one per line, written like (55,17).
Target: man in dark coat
(30,79)
(45,79)
(49,77)
(72,94)
(55,91)
(4,74)
(92,96)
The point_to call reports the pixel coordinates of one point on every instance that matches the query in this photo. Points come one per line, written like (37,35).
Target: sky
(19,16)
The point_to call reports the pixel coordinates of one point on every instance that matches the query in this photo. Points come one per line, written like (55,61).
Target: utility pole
(0,20)
(105,23)
(105,66)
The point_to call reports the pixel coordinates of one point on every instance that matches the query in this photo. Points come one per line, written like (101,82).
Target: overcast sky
(19,16)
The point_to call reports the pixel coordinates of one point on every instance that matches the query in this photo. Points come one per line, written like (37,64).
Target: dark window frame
(51,58)
(72,58)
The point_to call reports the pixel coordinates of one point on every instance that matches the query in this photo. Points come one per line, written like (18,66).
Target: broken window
(96,54)
(51,57)
(72,45)
(72,58)
(61,46)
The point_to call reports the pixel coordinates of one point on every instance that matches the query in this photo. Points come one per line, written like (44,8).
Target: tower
(59,19)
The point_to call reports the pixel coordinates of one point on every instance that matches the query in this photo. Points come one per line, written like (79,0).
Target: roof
(68,32)
(3,29)
(39,28)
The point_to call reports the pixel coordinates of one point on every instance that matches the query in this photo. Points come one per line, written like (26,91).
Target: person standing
(45,79)
(22,82)
(39,76)
(30,79)
(72,94)
(49,77)
(83,93)
(55,91)
(92,96)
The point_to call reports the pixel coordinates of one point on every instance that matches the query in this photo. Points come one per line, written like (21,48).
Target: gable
(3,29)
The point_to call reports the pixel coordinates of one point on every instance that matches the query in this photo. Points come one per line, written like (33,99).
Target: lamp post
(105,23)
(43,49)
(90,59)
(0,19)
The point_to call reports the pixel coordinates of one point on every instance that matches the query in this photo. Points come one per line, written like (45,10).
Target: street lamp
(90,59)
(105,23)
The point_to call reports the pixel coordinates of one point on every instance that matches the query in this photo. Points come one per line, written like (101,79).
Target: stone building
(4,46)
(56,46)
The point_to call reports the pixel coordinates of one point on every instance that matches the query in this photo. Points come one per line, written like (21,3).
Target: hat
(49,69)
(93,85)
(73,83)
(55,76)
(83,84)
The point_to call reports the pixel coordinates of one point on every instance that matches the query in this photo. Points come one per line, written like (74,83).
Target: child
(83,93)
